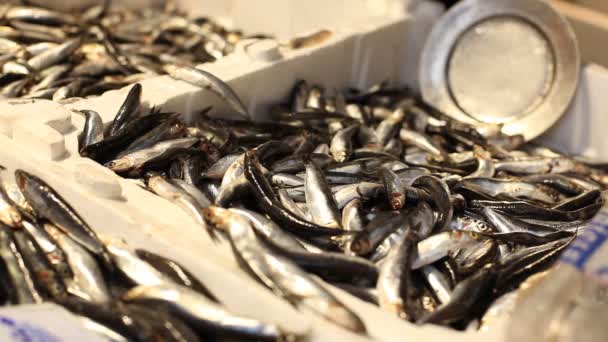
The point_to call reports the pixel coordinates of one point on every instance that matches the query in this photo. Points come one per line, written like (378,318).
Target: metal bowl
(509,62)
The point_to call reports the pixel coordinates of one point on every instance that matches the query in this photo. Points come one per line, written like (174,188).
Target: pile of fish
(48,253)
(55,55)
(374,191)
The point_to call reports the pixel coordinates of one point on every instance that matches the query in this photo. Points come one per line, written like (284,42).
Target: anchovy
(49,204)
(107,149)
(440,245)
(464,297)
(21,289)
(92,132)
(127,110)
(134,162)
(175,194)
(202,312)
(263,192)
(341,143)
(319,199)
(54,55)
(174,271)
(209,81)
(396,292)
(43,275)
(282,275)
(87,281)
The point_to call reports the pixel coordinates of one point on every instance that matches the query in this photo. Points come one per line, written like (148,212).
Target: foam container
(367,47)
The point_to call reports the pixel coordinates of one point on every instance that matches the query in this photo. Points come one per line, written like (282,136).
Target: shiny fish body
(127,110)
(87,282)
(92,132)
(49,204)
(137,159)
(396,292)
(202,312)
(283,276)
(22,289)
(440,245)
(208,81)
(174,271)
(320,201)
(54,55)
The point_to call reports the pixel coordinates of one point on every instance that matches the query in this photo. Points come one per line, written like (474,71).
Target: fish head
(361,244)
(21,177)
(397,200)
(120,165)
(216,216)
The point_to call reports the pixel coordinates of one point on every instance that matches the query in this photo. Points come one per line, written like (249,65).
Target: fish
(135,269)
(176,272)
(464,298)
(44,276)
(127,111)
(440,245)
(107,148)
(206,80)
(136,161)
(54,55)
(47,203)
(21,284)
(92,132)
(263,192)
(181,198)
(341,143)
(396,290)
(281,275)
(87,280)
(203,313)
(319,198)
(394,188)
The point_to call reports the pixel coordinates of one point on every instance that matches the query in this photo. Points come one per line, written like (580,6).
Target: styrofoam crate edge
(580,130)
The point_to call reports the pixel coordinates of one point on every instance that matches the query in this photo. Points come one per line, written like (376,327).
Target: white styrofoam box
(581,130)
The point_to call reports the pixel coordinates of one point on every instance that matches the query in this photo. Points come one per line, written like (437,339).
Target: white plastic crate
(41,137)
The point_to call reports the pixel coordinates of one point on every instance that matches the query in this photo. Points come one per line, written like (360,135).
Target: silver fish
(88,282)
(209,81)
(319,199)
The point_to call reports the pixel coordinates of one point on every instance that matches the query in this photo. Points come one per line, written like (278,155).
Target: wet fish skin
(165,189)
(396,292)
(394,188)
(92,132)
(134,162)
(176,272)
(43,275)
(54,55)
(266,198)
(211,82)
(109,147)
(21,289)
(440,245)
(281,275)
(87,280)
(55,255)
(465,296)
(127,110)
(202,312)
(319,198)
(440,194)
(47,203)
(341,143)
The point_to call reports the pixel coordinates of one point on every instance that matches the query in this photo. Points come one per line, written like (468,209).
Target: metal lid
(513,62)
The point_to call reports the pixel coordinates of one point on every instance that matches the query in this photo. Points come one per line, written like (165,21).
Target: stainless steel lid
(513,62)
